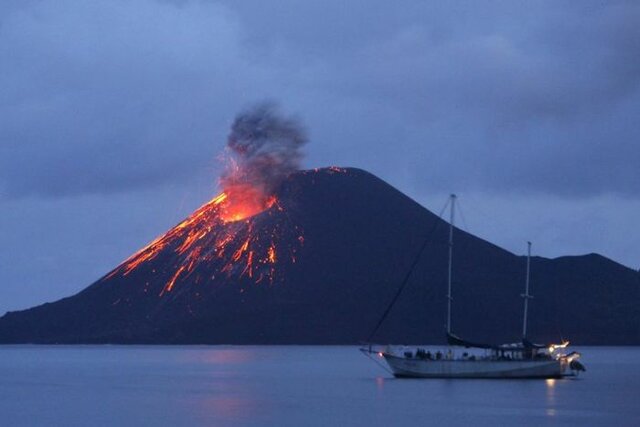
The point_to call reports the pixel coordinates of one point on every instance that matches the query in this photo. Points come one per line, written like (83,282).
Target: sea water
(294,386)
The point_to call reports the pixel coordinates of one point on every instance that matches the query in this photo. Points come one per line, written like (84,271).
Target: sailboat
(465,359)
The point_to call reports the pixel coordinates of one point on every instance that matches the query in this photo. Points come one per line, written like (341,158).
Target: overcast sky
(112,114)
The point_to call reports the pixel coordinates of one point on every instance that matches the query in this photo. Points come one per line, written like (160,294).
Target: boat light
(554,347)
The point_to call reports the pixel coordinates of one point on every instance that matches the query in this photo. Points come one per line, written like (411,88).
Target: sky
(113,115)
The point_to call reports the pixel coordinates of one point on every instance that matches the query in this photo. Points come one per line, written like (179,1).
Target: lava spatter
(243,247)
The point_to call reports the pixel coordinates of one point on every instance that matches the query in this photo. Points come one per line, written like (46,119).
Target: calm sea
(293,386)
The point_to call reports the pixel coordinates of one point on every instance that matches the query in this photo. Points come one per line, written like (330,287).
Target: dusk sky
(113,116)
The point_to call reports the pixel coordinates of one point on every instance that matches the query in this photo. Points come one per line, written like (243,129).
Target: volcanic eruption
(263,148)
(229,231)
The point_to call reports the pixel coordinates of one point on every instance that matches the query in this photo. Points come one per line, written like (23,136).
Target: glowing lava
(243,201)
(237,234)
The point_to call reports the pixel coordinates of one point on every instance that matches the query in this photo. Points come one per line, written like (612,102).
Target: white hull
(423,368)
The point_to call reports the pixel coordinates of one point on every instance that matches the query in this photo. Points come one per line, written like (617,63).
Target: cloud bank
(113,96)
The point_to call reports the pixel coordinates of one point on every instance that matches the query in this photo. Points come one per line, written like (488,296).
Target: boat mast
(526,295)
(449,298)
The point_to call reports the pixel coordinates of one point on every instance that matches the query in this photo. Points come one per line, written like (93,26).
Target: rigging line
(376,361)
(408,275)
(465,242)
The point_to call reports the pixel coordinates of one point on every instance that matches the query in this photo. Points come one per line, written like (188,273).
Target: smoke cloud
(264,148)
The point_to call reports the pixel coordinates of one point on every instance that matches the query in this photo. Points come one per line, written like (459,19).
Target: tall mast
(526,295)
(449,298)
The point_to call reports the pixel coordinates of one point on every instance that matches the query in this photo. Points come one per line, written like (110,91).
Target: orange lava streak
(145,254)
(172,282)
(272,254)
(190,240)
(250,264)
(238,253)
(219,199)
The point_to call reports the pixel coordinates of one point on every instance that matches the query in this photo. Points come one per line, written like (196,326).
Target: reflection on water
(223,356)
(291,386)
(551,401)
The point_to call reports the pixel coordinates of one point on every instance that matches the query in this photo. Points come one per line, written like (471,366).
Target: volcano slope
(320,266)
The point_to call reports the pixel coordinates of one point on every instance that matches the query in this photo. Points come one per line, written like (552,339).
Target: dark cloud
(114,96)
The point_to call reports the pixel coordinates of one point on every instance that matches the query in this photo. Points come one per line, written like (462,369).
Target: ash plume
(265,147)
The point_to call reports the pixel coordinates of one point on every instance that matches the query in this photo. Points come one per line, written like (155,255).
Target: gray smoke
(265,147)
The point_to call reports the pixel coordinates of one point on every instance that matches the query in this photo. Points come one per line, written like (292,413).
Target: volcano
(318,263)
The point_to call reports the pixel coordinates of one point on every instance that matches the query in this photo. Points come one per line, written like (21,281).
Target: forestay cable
(408,275)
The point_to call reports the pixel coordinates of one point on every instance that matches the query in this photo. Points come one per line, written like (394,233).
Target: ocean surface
(293,386)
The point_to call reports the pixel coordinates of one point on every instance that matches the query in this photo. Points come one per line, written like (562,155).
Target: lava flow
(244,231)
(228,237)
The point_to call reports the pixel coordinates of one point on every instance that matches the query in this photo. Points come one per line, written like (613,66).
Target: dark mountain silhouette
(320,266)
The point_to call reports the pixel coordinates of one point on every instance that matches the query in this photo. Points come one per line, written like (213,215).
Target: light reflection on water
(223,356)
(292,386)
(551,402)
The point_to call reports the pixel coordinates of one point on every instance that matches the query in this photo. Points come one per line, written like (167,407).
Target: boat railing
(449,354)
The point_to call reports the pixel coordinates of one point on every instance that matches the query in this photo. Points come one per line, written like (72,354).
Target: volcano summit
(319,264)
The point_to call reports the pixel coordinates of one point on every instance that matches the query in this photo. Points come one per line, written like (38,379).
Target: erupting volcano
(314,257)
(234,234)
(226,235)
